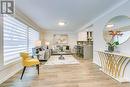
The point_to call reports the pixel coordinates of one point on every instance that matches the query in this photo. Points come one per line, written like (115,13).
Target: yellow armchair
(27,62)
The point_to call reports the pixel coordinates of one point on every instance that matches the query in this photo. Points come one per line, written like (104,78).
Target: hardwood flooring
(85,74)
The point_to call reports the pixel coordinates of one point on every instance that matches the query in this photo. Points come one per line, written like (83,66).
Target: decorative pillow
(41,53)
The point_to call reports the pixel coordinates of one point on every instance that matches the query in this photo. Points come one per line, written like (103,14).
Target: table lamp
(47,44)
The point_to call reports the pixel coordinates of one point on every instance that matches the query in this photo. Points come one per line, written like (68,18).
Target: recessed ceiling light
(110,26)
(61,23)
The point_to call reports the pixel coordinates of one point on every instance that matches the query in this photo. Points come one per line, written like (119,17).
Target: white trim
(105,13)
(1,41)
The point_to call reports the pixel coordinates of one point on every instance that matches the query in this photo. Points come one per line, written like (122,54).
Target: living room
(64,43)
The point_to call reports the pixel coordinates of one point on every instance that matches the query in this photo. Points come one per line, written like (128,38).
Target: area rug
(68,59)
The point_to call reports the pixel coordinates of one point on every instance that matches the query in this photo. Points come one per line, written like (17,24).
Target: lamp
(47,44)
(37,43)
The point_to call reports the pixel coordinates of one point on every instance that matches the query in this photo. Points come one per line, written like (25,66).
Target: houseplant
(112,45)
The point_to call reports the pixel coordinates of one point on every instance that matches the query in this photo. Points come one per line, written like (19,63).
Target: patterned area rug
(55,60)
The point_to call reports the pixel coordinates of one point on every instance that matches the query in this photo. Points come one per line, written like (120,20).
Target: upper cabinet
(85,38)
(82,36)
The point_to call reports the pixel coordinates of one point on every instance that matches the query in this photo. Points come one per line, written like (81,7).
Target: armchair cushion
(30,62)
(27,61)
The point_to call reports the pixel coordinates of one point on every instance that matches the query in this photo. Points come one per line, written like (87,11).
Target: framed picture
(60,38)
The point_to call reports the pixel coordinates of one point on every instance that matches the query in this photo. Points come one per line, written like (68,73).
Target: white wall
(72,37)
(98,26)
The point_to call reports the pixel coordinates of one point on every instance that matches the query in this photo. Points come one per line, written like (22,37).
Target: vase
(110,48)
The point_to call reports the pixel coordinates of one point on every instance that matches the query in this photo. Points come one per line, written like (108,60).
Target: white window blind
(15,38)
(33,37)
(18,37)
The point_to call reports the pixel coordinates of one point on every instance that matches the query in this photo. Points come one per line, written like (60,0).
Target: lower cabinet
(88,52)
(85,51)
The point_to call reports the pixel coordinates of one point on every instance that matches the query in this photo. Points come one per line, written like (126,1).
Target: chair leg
(37,66)
(23,72)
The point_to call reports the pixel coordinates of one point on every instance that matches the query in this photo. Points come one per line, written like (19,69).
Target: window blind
(15,38)
(33,37)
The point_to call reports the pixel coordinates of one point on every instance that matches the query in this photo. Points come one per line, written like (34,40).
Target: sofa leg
(23,72)
(37,68)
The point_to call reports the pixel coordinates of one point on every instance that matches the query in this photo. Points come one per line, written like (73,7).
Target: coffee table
(61,55)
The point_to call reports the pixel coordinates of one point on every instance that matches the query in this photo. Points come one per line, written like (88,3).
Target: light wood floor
(86,74)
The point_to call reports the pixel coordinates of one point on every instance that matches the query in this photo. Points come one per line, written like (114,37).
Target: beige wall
(42,38)
(72,37)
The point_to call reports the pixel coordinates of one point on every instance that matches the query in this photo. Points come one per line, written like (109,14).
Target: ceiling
(75,13)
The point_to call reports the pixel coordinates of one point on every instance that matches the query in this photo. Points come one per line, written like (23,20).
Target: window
(15,38)
(18,37)
(33,37)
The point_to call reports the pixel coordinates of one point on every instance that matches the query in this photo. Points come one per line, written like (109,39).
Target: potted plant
(112,45)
